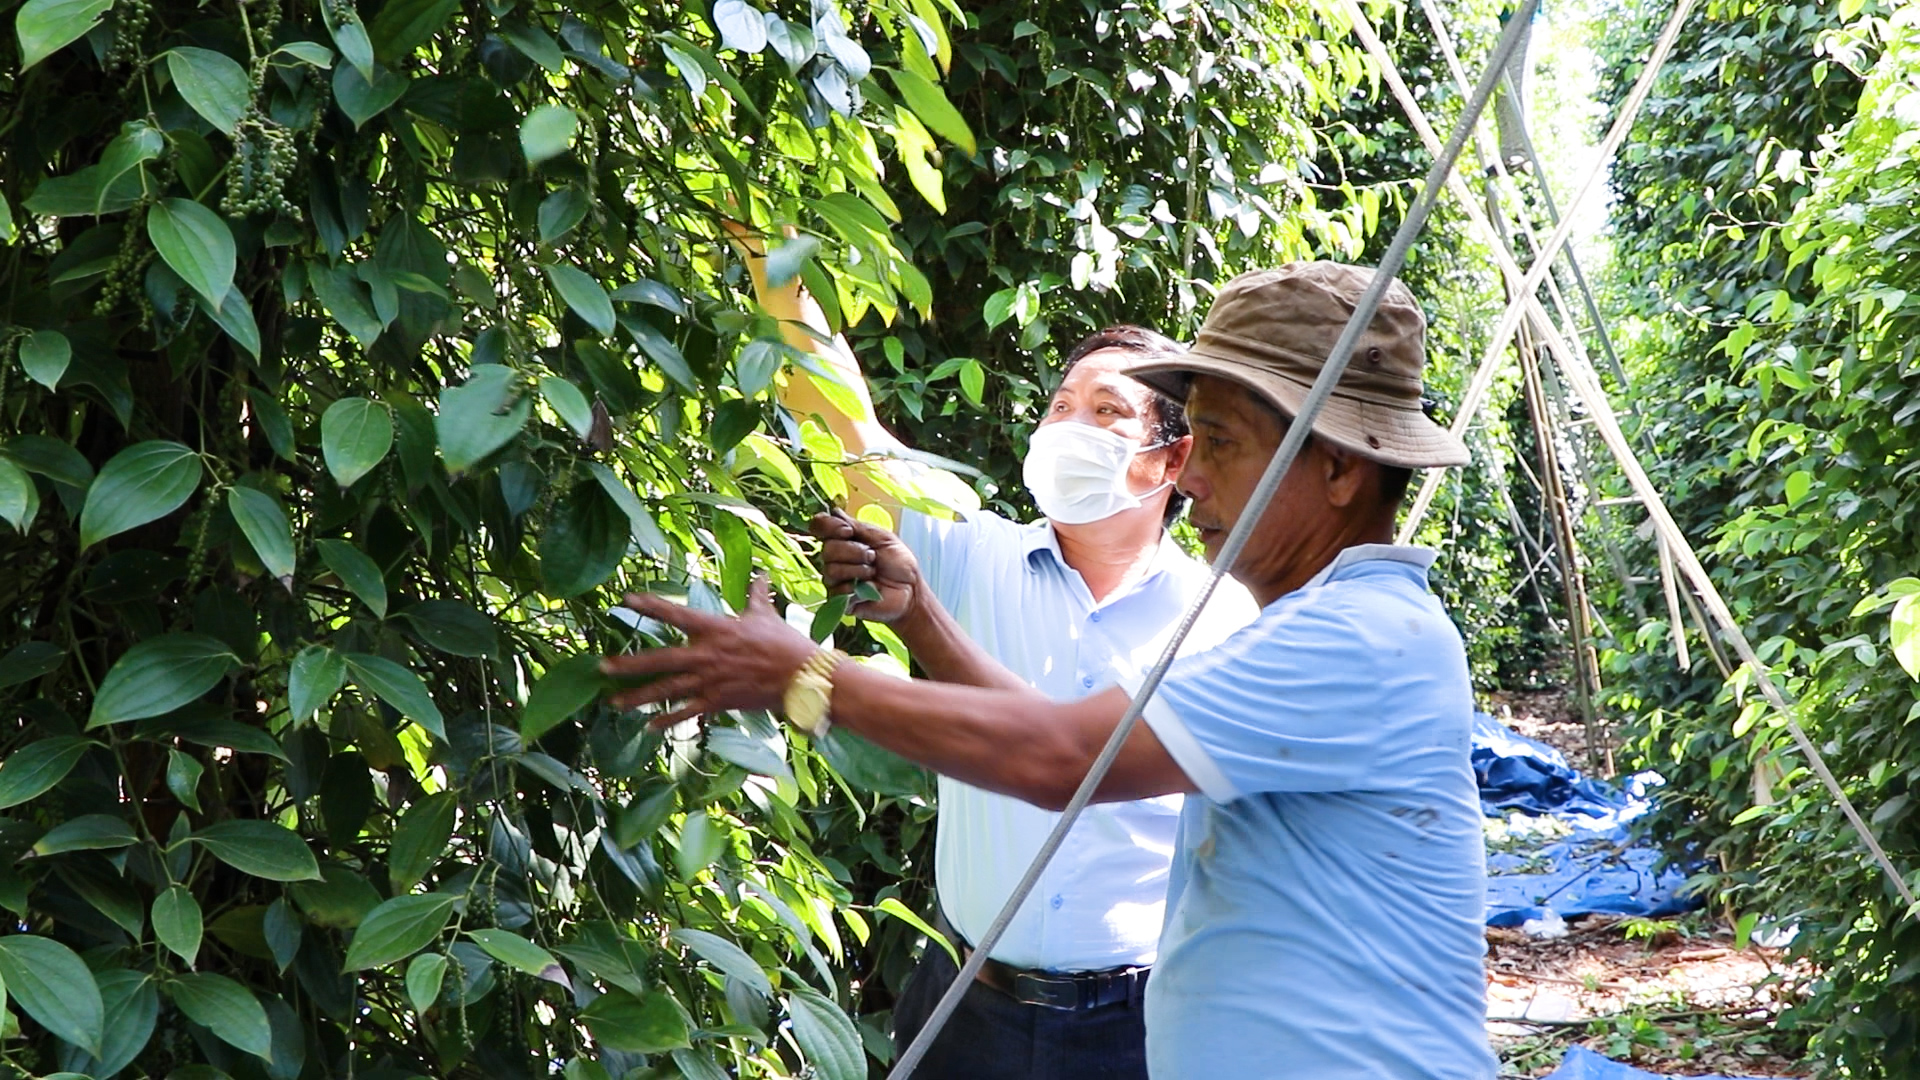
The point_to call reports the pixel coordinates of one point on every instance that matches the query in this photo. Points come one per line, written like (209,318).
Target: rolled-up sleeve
(1291,703)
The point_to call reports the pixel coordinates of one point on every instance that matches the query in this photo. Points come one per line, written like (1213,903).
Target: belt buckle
(1060,994)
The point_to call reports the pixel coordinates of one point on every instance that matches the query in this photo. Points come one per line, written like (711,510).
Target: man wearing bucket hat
(1324,917)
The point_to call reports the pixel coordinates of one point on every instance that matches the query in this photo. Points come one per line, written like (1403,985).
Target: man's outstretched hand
(727,663)
(852,552)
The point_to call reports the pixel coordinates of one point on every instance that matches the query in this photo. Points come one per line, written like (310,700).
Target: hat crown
(1286,321)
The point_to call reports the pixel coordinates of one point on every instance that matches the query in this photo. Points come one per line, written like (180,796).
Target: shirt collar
(1359,553)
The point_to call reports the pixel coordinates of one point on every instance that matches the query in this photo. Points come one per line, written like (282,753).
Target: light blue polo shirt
(1101,902)
(1324,911)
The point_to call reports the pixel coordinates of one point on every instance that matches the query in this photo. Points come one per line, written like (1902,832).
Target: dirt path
(1671,996)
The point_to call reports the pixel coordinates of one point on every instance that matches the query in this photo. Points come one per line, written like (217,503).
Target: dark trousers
(991,1036)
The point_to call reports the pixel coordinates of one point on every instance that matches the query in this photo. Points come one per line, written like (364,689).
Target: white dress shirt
(1100,903)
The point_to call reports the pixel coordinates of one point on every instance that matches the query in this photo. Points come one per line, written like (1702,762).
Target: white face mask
(1078,472)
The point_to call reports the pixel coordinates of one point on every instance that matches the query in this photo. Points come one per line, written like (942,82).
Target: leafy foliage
(1774,365)
(356,357)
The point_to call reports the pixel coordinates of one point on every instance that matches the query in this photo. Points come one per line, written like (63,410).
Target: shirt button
(1095,616)
(1057,901)
(1087,682)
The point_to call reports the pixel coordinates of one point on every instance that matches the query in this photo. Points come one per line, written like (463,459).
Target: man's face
(1233,439)
(1095,392)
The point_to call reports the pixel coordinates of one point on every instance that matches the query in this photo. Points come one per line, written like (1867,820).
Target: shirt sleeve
(943,549)
(1290,703)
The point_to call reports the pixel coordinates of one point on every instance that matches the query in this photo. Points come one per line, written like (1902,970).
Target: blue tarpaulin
(1583,1064)
(1568,848)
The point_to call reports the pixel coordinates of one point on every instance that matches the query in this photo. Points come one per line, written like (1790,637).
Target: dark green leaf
(649,1023)
(399,688)
(361,99)
(212,83)
(176,922)
(226,1008)
(566,688)
(584,295)
(281,927)
(403,25)
(45,355)
(663,352)
(273,421)
(350,34)
(397,929)
(51,985)
(345,297)
(355,434)
(35,768)
(869,767)
(266,528)
(132,1007)
(261,848)
(89,832)
(51,458)
(751,754)
(453,627)
(28,661)
(309,52)
(145,481)
(196,243)
(357,572)
(420,839)
(19,499)
(561,211)
(340,900)
(47,26)
(235,317)
(183,778)
(424,977)
(481,415)
(584,542)
(646,534)
(159,675)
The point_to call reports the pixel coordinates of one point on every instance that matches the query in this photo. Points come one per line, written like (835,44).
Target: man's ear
(1178,451)
(1345,473)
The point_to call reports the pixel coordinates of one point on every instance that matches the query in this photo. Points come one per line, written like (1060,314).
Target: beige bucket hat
(1271,331)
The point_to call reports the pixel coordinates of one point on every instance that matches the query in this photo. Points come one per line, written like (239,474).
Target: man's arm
(803,325)
(1013,741)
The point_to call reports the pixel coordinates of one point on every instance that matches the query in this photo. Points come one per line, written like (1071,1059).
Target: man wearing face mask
(1089,593)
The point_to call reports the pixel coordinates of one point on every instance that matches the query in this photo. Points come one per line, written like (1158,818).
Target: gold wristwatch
(808,700)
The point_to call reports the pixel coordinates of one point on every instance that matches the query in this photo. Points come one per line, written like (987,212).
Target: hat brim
(1389,434)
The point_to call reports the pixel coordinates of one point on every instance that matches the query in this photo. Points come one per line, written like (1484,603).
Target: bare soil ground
(1671,996)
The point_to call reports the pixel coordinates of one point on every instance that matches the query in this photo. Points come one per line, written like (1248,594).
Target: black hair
(1167,421)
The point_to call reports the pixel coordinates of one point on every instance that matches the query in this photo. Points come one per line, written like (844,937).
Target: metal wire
(1290,446)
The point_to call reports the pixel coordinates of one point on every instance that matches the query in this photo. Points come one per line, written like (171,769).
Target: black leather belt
(1066,991)
(1075,991)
